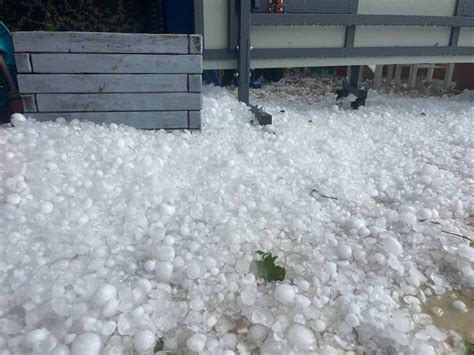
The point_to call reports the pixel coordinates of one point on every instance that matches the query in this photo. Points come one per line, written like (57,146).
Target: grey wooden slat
(29,103)
(116,63)
(194,119)
(194,82)
(98,83)
(23,63)
(144,120)
(117,102)
(195,44)
(99,42)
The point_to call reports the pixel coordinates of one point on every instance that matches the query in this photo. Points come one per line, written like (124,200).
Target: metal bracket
(351,87)
(262,117)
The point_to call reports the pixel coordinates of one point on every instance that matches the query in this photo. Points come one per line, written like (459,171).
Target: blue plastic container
(7,52)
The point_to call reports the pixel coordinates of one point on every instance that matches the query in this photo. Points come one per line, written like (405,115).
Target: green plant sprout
(469,347)
(267,269)
(159,346)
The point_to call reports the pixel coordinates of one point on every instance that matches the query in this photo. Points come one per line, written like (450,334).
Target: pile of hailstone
(120,241)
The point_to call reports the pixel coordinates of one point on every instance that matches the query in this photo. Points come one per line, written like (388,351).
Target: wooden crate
(142,80)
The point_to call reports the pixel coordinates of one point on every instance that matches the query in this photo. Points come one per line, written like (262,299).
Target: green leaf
(267,269)
(469,347)
(159,346)
(471,244)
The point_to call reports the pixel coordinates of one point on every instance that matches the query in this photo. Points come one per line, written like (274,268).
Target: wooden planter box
(148,81)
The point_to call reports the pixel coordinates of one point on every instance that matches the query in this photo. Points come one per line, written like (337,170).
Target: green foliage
(469,347)
(159,346)
(75,15)
(471,244)
(267,269)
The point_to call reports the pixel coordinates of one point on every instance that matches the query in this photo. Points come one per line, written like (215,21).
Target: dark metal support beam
(350,36)
(233,25)
(456,30)
(360,52)
(276,53)
(263,19)
(199,18)
(244,51)
(350,30)
(354,79)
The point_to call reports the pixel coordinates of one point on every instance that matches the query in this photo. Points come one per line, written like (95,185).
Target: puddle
(446,316)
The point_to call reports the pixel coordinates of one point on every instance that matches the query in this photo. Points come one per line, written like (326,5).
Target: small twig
(458,235)
(316,191)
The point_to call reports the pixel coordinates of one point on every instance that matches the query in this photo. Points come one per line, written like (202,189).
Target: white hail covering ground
(112,237)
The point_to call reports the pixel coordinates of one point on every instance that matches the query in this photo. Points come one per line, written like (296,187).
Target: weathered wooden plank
(23,63)
(117,102)
(194,82)
(99,42)
(97,83)
(195,44)
(116,63)
(29,103)
(194,119)
(144,120)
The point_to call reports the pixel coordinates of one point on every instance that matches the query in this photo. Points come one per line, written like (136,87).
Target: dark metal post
(350,30)
(349,43)
(354,79)
(233,25)
(353,85)
(244,50)
(198,18)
